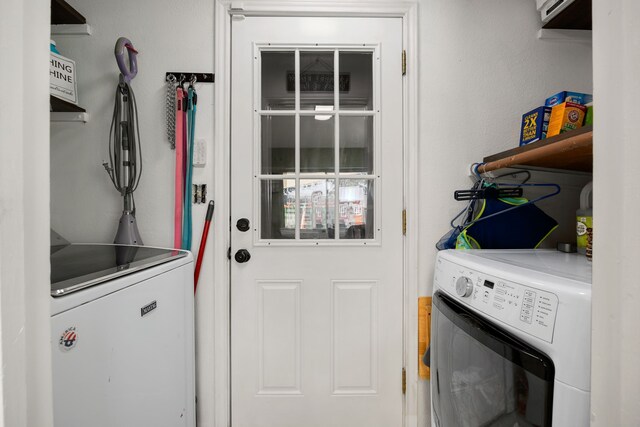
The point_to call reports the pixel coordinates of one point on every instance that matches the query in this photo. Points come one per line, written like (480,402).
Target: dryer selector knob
(464,286)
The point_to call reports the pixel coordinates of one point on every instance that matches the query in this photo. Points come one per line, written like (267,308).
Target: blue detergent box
(534,125)
(565,96)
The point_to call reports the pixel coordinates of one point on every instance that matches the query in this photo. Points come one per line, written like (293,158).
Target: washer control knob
(464,286)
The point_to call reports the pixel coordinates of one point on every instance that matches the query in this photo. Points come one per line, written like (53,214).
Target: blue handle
(187,229)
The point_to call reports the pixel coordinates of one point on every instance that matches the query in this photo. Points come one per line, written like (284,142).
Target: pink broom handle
(179,181)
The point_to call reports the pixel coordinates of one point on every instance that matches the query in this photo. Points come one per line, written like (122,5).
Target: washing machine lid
(78,266)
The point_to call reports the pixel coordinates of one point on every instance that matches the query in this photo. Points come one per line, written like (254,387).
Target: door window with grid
(317,165)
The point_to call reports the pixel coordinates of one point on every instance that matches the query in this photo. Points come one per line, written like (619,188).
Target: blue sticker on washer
(68,339)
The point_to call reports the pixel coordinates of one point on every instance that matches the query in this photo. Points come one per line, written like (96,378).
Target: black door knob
(242,255)
(243,224)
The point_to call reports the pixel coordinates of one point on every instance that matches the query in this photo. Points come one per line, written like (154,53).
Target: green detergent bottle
(584,217)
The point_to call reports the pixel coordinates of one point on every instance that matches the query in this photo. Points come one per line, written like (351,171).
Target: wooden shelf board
(63,13)
(577,16)
(569,151)
(61,106)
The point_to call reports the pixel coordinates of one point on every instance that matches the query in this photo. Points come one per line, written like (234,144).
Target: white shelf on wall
(71,30)
(64,111)
(573,22)
(565,35)
(69,116)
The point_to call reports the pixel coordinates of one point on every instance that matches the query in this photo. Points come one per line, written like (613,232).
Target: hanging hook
(474,169)
(171,78)
(184,82)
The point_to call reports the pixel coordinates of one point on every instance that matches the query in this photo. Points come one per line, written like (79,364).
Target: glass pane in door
(358,66)
(278,141)
(278,70)
(316,80)
(317,208)
(278,208)
(317,144)
(356,144)
(356,209)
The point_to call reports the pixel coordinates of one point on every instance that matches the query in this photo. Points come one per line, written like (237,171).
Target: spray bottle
(584,217)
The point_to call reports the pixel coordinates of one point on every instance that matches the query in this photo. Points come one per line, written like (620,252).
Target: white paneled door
(316,239)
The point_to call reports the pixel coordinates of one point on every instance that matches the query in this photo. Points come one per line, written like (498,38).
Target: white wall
(25,357)
(481,68)
(615,345)
(85,207)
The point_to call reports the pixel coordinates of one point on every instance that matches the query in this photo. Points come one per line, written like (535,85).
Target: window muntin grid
(344,155)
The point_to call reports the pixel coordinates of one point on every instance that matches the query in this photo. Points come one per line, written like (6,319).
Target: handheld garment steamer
(125,154)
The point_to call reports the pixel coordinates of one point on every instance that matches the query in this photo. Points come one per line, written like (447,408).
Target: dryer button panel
(520,306)
(528,309)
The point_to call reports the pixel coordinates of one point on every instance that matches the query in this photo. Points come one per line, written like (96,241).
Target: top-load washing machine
(122,336)
(511,339)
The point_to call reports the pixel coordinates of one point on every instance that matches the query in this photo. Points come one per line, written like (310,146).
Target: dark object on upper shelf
(577,16)
(569,151)
(60,106)
(186,76)
(487,193)
(63,13)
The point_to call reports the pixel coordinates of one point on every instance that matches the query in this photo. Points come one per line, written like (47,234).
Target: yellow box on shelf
(565,117)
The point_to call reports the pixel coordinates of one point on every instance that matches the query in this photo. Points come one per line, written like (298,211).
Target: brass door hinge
(404,222)
(404,381)
(404,62)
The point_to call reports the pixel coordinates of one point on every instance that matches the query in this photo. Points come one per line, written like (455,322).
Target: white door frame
(225,12)
(25,291)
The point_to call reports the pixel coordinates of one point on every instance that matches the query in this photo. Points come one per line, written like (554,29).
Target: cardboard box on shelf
(565,117)
(565,96)
(534,125)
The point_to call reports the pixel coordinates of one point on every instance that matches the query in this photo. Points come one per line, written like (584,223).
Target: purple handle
(128,73)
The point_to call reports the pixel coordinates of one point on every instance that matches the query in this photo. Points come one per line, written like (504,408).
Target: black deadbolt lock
(242,255)
(243,224)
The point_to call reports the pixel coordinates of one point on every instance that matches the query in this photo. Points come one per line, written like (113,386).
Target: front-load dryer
(511,339)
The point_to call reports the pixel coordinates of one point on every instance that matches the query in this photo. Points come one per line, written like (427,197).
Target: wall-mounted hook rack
(200,77)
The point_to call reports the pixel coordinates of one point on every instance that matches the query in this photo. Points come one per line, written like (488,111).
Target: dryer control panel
(523,307)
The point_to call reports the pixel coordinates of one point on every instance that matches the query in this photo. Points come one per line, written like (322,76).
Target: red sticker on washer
(68,339)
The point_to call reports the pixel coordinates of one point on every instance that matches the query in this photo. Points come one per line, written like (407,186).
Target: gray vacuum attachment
(57,241)
(128,233)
